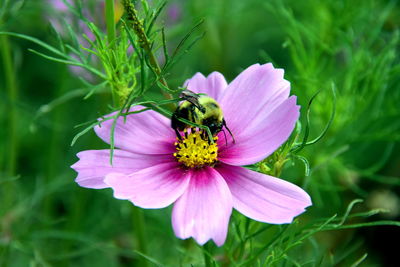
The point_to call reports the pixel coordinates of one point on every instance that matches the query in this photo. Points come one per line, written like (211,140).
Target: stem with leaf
(144,42)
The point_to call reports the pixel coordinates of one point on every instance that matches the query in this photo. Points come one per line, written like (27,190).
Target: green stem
(139,226)
(110,22)
(207,254)
(12,91)
(115,98)
(55,143)
(111,37)
(138,218)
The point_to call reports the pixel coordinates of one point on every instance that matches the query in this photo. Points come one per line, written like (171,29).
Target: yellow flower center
(195,150)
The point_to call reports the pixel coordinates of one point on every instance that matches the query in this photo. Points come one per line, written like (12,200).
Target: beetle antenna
(226,140)
(224,123)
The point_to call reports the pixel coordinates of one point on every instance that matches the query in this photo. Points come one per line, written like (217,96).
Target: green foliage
(341,58)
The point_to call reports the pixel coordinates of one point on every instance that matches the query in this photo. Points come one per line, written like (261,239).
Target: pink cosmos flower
(204,180)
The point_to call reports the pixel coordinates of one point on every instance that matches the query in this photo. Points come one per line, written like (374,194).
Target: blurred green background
(46,219)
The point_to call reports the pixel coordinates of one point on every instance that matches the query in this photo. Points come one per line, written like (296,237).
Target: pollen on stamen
(195,151)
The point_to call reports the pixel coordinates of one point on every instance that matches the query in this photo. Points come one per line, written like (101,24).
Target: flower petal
(258,90)
(94,165)
(151,188)
(213,85)
(264,198)
(203,211)
(146,132)
(264,137)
